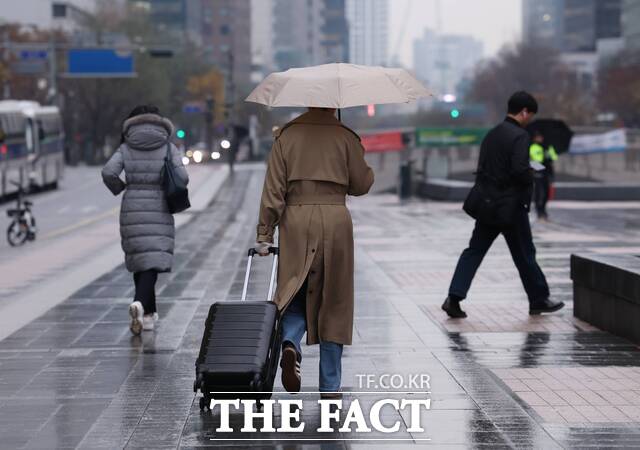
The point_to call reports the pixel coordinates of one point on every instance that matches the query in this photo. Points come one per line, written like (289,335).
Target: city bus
(31,146)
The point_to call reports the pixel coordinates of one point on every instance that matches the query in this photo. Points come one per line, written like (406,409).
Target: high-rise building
(368,31)
(631,23)
(262,36)
(543,22)
(442,61)
(334,31)
(587,21)
(309,32)
(39,12)
(222,28)
(570,25)
(296,33)
(169,15)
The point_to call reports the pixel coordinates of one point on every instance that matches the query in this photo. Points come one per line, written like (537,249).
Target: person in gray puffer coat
(147,227)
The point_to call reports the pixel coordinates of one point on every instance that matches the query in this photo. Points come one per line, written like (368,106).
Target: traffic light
(181,134)
(455,113)
(160,53)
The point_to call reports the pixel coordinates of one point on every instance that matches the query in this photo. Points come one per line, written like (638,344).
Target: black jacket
(504,161)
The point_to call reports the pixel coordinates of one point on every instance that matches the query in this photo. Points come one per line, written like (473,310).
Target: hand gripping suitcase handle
(272,250)
(274,270)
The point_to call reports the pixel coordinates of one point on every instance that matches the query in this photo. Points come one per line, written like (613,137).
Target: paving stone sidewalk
(76,378)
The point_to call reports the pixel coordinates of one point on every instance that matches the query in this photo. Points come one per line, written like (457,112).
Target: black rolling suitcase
(240,347)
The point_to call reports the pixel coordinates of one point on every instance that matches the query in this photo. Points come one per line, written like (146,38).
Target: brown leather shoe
(290,365)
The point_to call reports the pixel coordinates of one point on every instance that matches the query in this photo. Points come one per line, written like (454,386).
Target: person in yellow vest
(545,155)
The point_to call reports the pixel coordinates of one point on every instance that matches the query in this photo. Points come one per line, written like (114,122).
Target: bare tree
(94,109)
(619,87)
(534,69)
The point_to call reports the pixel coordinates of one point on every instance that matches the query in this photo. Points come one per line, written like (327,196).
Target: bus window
(42,135)
(31,147)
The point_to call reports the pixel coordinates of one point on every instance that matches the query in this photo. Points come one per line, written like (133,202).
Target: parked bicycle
(23,225)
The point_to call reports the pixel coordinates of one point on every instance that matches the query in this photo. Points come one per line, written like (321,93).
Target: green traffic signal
(181,134)
(455,113)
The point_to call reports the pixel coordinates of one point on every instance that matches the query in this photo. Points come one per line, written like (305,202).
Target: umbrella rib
(280,91)
(397,88)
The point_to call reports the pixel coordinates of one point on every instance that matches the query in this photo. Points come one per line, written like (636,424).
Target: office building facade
(368,31)
(442,61)
(630,22)
(543,23)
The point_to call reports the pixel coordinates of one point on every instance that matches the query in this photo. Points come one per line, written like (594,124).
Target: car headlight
(197,156)
(185,161)
(215,155)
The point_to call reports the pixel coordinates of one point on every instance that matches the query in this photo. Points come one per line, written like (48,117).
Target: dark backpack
(175,188)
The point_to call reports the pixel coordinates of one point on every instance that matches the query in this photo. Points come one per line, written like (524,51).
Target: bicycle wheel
(17,233)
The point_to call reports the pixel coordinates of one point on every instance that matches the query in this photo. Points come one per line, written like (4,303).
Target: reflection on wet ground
(76,378)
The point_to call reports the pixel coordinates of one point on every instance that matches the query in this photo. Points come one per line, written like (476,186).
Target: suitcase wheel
(256,384)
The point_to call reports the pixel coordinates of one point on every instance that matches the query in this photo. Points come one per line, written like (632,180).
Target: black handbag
(175,188)
(491,206)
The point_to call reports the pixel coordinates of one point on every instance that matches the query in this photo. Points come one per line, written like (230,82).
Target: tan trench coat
(314,163)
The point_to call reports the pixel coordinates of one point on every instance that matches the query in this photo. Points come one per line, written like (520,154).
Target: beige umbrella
(338,86)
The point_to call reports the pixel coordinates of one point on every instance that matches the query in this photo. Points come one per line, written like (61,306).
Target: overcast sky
(494,22)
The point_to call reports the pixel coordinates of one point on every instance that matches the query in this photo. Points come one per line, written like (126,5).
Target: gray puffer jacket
(146,227)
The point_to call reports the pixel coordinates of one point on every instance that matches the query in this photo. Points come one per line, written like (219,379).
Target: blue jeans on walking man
(294,326)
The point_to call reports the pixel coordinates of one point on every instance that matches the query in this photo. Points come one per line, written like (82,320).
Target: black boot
(452,308)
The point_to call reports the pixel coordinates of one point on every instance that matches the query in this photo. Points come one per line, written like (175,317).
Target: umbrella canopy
(338,86)
(555,132)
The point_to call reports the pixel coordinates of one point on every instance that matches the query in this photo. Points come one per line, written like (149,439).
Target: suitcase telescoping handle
(274,269)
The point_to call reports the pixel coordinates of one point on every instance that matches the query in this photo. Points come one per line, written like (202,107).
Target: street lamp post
(6,91)
(230,107)
(209,115)
(53,70)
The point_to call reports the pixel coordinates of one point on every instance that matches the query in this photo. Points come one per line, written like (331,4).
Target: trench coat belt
(316,199)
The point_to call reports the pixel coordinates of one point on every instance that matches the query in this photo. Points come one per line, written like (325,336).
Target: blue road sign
(100,63)
(193,108)
(30,55)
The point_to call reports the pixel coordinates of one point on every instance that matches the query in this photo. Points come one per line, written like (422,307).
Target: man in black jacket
(504,168)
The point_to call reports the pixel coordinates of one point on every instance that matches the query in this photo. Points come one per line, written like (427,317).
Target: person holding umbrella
(551,138)
(315,163)
(542,153)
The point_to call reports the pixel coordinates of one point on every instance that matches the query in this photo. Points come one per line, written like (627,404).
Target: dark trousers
(522,250)
(542,188)
(146,289)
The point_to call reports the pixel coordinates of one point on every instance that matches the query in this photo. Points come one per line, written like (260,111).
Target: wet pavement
(78,240)
(76,378)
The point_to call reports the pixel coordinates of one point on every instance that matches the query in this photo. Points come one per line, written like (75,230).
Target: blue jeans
(294,325)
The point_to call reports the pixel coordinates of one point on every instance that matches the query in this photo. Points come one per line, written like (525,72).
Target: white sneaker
(136,311)
(156,317)
(148,322)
